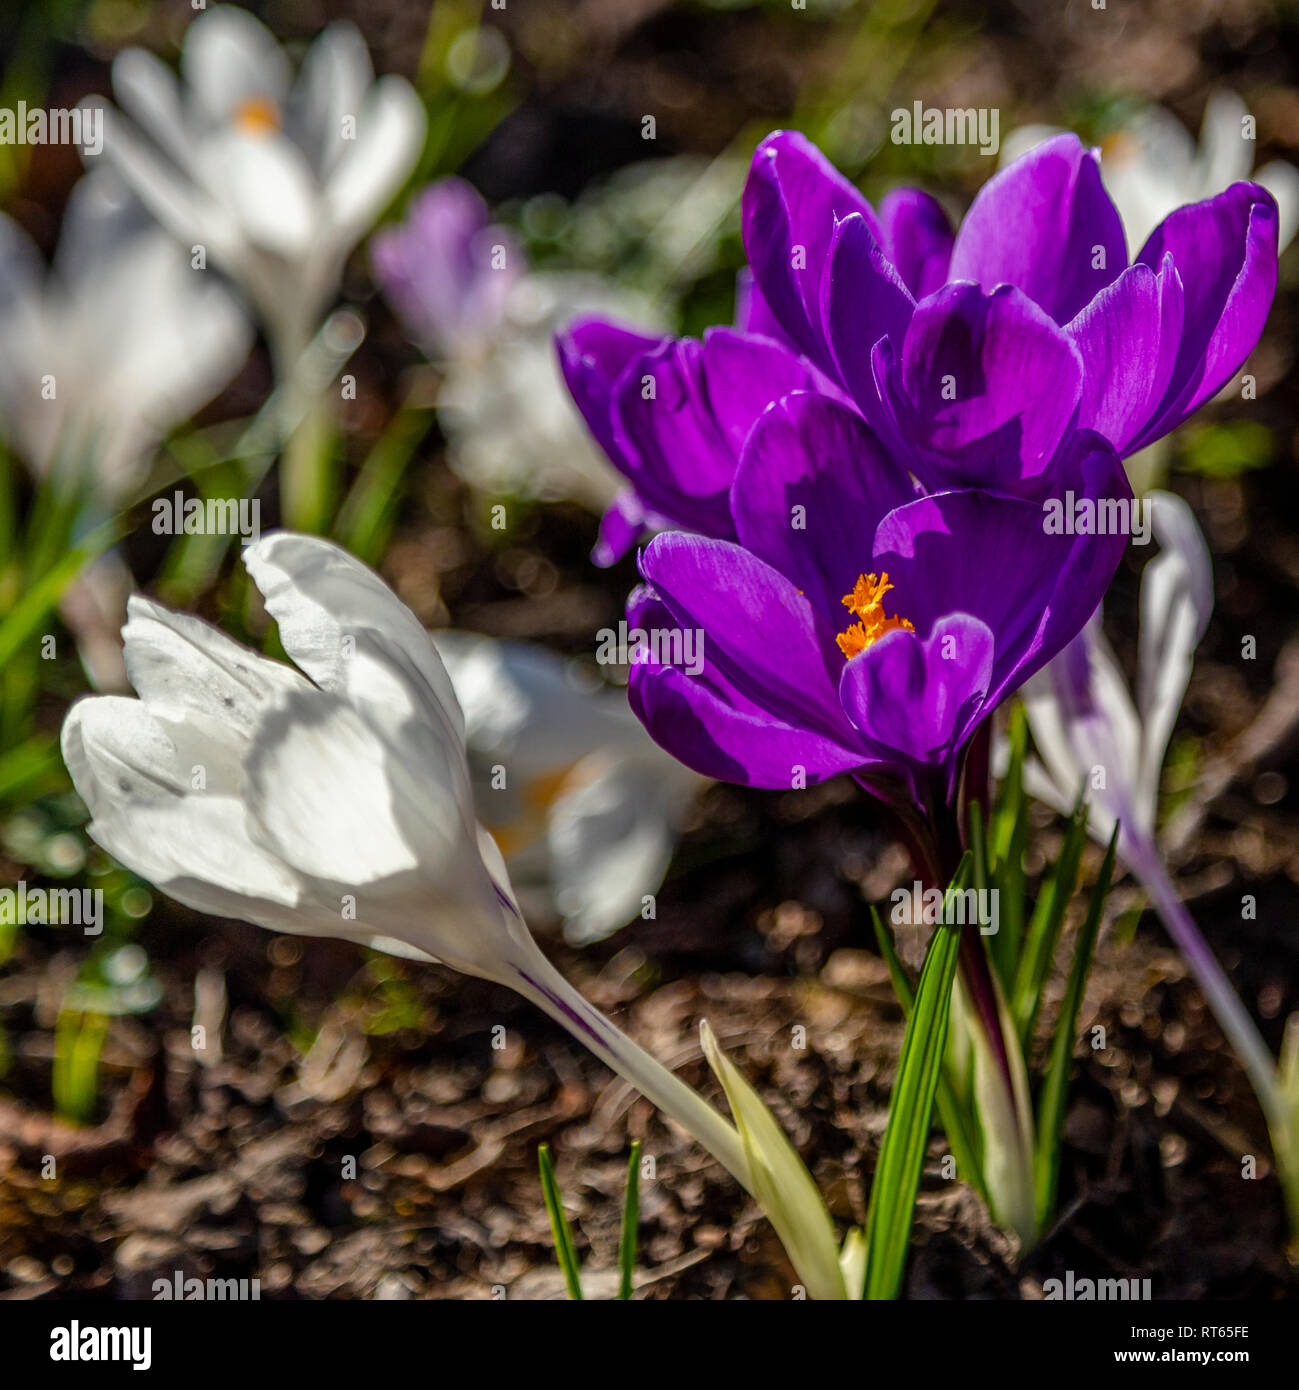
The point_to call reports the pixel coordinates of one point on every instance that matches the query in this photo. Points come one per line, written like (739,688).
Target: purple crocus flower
(973,356)
(856,625)
(446,271)
(1033,301)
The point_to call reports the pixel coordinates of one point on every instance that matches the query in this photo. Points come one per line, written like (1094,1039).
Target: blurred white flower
(331,800)
(277,177)
(511,425)
(1084,721)
(583,804)
(101,356)
(1154,165)
(119,341)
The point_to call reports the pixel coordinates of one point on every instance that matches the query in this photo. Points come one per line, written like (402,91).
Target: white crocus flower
(333,799)
(101,356)
(277,177)
(1153,165)
(583,803)
(118,342)
(1092,736)
(512,428)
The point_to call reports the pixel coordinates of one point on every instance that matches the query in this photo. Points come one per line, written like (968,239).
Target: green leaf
(565,1250)
(1055,1085)
(365,518)
(897,1176)
(1008,834)
(630,1224)
(951,1113)
(779,1180)
(1044,927)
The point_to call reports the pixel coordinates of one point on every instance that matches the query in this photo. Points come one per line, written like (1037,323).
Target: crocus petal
(752,312)
(984,389)
(620,528)
(1225,251)
(812,486)
(1086,730)
(227,58)
(332,83)
(706,722)
(592,356)
(184,667)
(1176,603)
(863,301)
(1129,337)
(267,185)
(918,239)
(792,199)
(916,700)
(680,442)
(762,635)
(992,557)
(1046,225)
(372,167)
(147,90)
(349,632)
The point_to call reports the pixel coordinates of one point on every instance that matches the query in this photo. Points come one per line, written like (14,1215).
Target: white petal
(1225,156)
(266,183)
(1176,603)
(1282,181)
(229,57)
(332,83)
(349,632)
(611,839)
(382,823)
(372,167)
(168,192)
(147,90)
(1022,139)
(183,667)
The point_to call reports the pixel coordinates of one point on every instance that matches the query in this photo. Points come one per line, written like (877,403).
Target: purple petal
(620,528)
(812,486)
(1225,251)
(984,388)
(863,301)
(592,355)
(1045,224)
(683,411)
(917,700)
(918,239)
(791,201)
(761,635)
(753,313)
(992,556)
(1129,337)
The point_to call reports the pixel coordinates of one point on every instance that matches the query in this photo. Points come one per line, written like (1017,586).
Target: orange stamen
(866,602)
(257,116)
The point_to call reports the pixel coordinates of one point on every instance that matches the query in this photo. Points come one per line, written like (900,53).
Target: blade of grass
(365,518)
(630,1224)
(897,1175)
(1044,926)
(950,1111)
(1055,1085)
(565,1251)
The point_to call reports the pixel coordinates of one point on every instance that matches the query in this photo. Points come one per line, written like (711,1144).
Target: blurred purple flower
(957,598)
(446,271)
